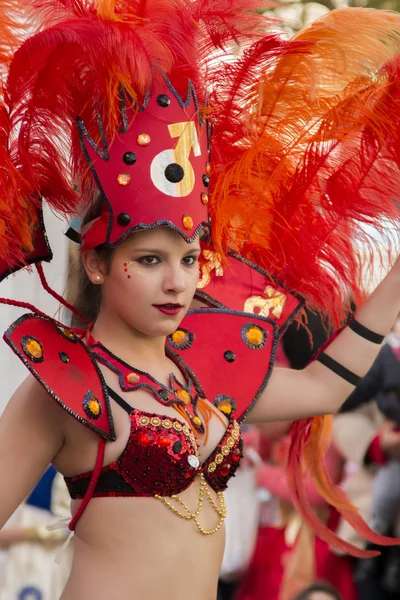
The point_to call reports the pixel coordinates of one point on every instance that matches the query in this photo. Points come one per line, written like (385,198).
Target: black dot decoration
(230,356)
(64,357)
(129,158)
(163,100)
(124,219)
(163,394)
(177,447)
(174,173)
(206,180)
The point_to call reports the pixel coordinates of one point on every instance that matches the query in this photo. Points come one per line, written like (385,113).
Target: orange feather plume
(300,167)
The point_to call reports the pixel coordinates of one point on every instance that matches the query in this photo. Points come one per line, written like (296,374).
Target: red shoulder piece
(241,285)
(64,366)
(231,354)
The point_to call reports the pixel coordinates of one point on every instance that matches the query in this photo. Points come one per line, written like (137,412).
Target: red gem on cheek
(145,439)
(236,455)
(224,470)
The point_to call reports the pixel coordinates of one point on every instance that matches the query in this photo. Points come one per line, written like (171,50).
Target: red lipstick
(169,309)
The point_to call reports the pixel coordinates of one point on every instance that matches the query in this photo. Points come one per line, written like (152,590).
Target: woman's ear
(94,266)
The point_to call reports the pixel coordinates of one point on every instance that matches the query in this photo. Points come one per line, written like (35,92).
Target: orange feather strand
(310,440)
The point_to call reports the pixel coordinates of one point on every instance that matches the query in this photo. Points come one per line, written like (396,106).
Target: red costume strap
(92,485)
(65,367)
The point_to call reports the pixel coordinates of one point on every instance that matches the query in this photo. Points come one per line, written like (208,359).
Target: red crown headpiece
(154,173)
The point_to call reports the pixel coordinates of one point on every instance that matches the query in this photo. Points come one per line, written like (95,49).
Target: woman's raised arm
(31,435)
(317,390)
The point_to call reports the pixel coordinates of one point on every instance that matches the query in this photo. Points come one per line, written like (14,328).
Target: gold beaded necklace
(189,514)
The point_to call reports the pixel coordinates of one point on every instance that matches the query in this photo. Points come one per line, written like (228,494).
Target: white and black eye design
(171,171)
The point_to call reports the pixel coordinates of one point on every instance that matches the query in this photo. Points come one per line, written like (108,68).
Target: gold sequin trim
(226,448)
(168,424)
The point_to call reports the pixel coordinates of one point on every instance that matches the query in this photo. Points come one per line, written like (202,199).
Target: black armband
(339,369)
(364,332)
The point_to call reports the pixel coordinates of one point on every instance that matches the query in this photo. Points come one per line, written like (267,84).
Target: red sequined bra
(161,458)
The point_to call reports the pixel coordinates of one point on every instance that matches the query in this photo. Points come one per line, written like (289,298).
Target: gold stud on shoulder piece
(132,378)
(32,348)
(183,396)
(92,406)
(124,179)
(180,337)
(143,139)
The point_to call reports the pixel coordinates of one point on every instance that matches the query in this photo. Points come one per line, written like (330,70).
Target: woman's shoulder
(32,398)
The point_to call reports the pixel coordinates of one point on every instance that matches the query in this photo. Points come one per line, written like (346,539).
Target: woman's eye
(190,260)
(148,260)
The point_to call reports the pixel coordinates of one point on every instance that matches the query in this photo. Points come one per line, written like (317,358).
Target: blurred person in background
(365,440)
(382,384)
(288,555)
(30,570)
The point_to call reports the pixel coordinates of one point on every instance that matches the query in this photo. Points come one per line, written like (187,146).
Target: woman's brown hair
(81,292)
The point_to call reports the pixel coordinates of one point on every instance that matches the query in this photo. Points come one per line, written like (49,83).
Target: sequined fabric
(160,459)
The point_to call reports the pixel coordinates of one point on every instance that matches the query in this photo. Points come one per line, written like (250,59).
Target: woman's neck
(129,344)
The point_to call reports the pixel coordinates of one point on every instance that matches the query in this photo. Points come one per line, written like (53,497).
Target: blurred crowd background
(271,554)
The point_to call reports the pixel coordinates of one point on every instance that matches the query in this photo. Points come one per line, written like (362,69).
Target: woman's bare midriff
(136,549)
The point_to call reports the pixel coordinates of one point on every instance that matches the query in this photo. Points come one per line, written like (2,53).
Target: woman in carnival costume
(260,167)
